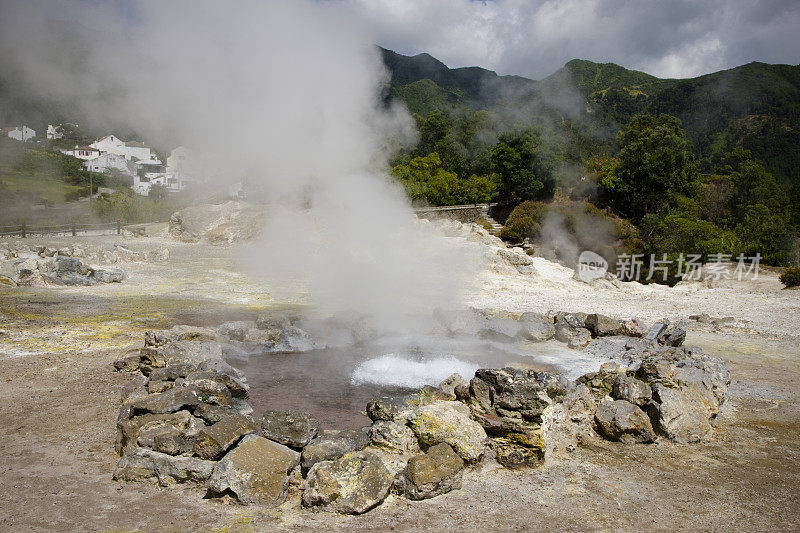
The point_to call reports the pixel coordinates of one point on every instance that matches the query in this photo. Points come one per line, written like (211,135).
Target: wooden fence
(24,230)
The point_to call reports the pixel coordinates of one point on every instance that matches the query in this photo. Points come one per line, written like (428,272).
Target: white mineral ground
(59,400)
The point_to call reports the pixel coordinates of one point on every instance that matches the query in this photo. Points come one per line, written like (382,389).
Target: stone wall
(461,213)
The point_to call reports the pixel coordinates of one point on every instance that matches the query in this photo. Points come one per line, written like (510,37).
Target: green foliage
(753,185)
(687,206)
(525,221)
(724,121)
(655,165)
(679,233)
(432,131)
(755,106)
(604,166)
(593,77)
(715,198)
(524,167)
(743,211)
(52,164)
(459,139)
(131,208)
(477,190)
(424,96)
(794,204)
(790,277)
(765,232)
(485,224)
(425,179)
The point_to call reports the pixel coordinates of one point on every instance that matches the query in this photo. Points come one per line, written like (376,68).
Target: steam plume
(285,94)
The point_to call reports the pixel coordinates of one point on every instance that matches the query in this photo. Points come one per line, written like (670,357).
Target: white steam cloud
(285,94)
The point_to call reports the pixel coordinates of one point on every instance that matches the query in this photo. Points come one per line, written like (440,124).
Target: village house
(54,132)
(178,159)
(106,162)
(83,152)
(144,184)
(111,144)
(130,150)
(20,133)
(138,150)
(184,166)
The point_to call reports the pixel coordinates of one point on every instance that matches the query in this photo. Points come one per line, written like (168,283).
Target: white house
(178,159)
(105,162)
(130,150)
(111,144)
(138,150)
(20,133)
(143,184)
(187,166)
(53,132)
(83,152)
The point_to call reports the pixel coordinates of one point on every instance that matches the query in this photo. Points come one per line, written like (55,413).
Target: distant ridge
(756,106)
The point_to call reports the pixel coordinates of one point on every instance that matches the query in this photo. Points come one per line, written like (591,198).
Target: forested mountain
(755,106)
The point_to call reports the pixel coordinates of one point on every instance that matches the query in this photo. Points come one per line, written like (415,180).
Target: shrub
(524,221)
(791,277)
(677,233)
(131,208)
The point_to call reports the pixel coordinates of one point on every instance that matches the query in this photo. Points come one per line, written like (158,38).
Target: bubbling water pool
(335,384)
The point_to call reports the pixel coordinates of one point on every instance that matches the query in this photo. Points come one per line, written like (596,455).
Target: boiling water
(335,384)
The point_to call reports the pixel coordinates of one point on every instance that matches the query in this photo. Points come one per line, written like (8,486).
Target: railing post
(119,227)
(22,231)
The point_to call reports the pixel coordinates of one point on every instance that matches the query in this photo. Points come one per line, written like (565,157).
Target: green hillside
(755,106)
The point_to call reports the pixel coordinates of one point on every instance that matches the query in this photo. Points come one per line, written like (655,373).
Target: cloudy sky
(536,37)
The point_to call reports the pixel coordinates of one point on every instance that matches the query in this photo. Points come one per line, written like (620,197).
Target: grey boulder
(390,408)
(536,327)
(256,471)
(430,474)
(290,428)
(683,414)
(332,445)
(213,441)
(620,420)
(603,326)
(393,435)
(170,401)
(142,463)
(353,484)
(450,422)
(631,389)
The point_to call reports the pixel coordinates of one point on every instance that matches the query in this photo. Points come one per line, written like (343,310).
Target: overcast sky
(534,38)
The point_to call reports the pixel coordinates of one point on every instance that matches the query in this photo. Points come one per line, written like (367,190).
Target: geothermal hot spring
(336,382)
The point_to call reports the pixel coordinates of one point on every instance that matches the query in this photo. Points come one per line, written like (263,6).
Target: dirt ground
(59,397)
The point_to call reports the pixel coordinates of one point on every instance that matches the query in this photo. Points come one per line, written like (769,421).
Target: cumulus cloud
(536,37)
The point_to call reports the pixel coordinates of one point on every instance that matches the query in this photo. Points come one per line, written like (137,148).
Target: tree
(432,129)
(523,167)
(752,185)
(794,204)
(764,232)
(679,233)
(424,179)
(655,164)
(477,189)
